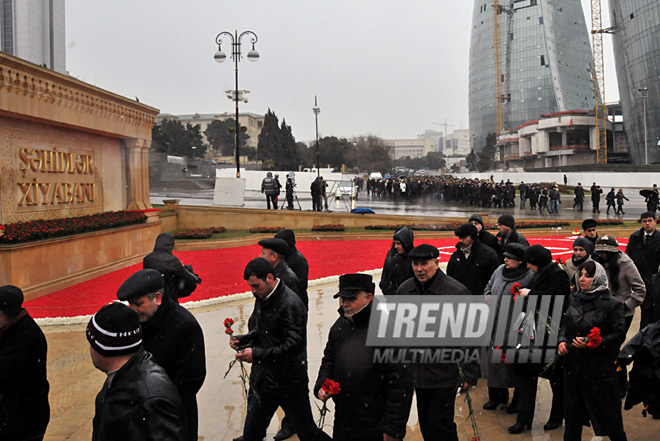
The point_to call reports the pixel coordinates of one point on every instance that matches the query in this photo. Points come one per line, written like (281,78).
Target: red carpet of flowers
(222,270)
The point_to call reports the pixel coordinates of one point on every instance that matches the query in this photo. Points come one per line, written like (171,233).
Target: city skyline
(392,71)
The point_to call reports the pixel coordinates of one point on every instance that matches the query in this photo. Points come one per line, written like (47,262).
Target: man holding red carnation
(372,400)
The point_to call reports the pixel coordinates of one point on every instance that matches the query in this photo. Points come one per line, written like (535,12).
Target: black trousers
(271,198)
(435,410)
(527,402)
(295,403)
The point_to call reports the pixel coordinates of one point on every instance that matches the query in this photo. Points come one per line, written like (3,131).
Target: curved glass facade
(546,63)
(637,55)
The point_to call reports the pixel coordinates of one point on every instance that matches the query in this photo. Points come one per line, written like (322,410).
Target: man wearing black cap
(171,333)
(24,409)
(375,398)
(138,400)
(484,236)
(644,249)
(436,383)
(551,281)
(398,266)
(472,263)
(508,233)
(596,191)
(180,280)
(276,344)
(590,231)
(274,251)
(295,259)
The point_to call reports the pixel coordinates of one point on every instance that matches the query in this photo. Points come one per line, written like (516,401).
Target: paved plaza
(75,383)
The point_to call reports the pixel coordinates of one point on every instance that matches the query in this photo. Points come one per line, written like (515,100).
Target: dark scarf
(513,274)
(579,262)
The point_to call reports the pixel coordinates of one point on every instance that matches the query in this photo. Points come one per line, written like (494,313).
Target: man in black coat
(24,409)
(551,281)
(398,267)
(375,398)
(579,196)
(472,263)
(274,251)
(436,383)
(138,401)
(590,230)
(275,345)
(179,280)
(295,260)
(644,249)
(484,236)
(171,333)
(596,191)
(508,234)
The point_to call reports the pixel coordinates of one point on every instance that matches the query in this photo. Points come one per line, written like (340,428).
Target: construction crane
(446,126)
(501,81)
(597,32)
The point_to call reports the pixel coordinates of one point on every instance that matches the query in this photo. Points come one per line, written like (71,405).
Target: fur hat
(115,330)
(538,255)
(466,230)
(607,244)
(589,223)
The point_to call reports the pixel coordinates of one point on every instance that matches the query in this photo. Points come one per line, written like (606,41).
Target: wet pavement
(254,199)
(75,383)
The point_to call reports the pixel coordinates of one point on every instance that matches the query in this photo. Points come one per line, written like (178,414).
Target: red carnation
(229,322)
(331,387)
(515,289)
(229,331)
(594,339)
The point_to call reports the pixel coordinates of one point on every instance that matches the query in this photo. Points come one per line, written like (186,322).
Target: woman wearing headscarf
(500,375)
(624,281)
(582,251)
(590,388)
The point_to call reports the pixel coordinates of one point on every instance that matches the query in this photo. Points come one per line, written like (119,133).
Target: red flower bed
(418,227)
(266,229)
(146,210)
(199,233)
(44,229)
(329,227)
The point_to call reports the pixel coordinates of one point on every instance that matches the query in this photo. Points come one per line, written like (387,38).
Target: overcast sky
(390,68)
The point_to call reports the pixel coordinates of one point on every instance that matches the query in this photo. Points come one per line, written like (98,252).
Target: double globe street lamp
(236,95)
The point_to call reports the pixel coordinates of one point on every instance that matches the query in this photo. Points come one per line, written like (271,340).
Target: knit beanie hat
(607,244)
(11,298)
(584,243)
(507,220)
(477,217)
(538,255)
(115,330)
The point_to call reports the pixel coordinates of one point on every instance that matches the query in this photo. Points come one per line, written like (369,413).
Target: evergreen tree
(270,139)
(471,160)
(222,137)
(373,153)
(487,154)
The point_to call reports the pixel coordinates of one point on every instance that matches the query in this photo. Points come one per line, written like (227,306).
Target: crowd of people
(152,349)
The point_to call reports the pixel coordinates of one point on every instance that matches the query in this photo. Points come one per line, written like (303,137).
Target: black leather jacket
(278,337)
(140,404)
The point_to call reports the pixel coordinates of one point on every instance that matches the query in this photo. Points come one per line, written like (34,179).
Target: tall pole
(316,109)
(645,95)
(237,54)
(220,56)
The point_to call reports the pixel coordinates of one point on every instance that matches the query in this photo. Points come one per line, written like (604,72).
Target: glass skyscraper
(637,53)
(546,63)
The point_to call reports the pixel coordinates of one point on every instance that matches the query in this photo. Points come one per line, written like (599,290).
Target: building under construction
(527,58)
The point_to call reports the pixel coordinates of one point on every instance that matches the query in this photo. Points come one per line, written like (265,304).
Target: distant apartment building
(545,63)
(413,148)
(457,143)
(636,41)
(34,30)
(252,121)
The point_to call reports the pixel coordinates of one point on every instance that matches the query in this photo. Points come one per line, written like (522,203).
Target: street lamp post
(193,152)
(645,95)
(220,56)
(316,109)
